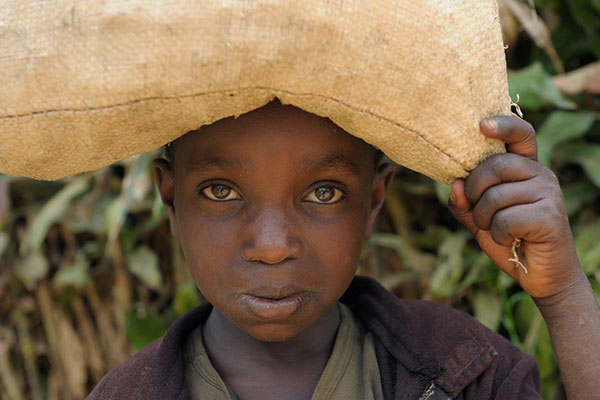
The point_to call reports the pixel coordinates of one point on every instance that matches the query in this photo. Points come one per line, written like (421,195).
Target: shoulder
(447,346)
(121,382)
(156,371)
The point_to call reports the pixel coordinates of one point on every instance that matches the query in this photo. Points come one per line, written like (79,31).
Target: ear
(163,176)
(381,182)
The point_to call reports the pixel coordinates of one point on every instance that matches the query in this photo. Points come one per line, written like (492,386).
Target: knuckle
(550,184)
(553,179)
(471,183)
(501,223)
(494,198)
(496,163)
(529,130)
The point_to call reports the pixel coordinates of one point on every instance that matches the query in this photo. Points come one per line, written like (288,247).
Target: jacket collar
(440,344)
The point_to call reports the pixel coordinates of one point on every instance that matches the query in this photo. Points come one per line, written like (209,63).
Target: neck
(223,337)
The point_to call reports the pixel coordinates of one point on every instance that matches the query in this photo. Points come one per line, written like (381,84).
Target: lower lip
(274,309)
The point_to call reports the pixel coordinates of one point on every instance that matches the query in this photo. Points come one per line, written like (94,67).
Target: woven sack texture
(86,83)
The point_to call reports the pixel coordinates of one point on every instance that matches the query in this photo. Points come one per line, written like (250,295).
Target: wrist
(572,297)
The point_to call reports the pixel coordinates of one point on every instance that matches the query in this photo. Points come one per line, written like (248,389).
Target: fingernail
(490,124)
(452,197)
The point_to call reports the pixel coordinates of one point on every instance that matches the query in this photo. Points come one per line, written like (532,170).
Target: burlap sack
(86,83)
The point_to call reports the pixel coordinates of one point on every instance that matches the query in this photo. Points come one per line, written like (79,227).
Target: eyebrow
(208,162)
(336,162)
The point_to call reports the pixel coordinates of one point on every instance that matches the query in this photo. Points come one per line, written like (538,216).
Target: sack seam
(232,91)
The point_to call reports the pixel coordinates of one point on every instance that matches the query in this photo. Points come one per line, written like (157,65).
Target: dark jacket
(425,351)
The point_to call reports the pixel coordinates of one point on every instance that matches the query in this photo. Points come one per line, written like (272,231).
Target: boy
(271,210)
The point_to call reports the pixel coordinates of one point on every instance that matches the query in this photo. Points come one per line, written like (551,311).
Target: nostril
(271,252)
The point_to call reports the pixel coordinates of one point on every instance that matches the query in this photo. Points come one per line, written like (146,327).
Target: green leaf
(450,267)
(442,191)
(560,127)
(535,89)
(52,211)
(136,185)
(407,253)
(186,297)
(144,328)
(143,263)
(4,241)
(586,243)
(585,154)
(587,15)
(487,309)
(93,219)
(75,275)
(578,193)
(525,312)
(31,269)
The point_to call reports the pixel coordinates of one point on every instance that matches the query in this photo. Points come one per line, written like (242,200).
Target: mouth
(269,303)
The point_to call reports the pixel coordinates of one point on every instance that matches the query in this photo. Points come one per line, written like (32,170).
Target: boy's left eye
(324,195)
(219,192)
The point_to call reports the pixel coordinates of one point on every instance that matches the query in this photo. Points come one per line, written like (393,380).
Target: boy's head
(272,205)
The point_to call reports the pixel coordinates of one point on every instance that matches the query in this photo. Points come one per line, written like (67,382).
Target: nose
(271,238)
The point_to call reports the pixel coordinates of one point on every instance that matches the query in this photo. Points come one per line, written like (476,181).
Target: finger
(505,195)
(516,132)
(532,222)
(461,207)
(498,169)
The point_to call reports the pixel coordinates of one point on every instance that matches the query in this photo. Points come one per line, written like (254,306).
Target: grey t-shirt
(351,372)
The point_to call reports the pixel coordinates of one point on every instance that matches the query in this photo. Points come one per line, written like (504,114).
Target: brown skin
(272,232)
(512,196)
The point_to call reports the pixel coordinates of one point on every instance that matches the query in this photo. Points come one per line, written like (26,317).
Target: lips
(274,303)
(273,293)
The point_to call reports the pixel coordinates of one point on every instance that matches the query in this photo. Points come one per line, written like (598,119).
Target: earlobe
(381,183)
(163,176)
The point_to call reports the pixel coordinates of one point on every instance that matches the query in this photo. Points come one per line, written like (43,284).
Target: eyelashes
(220,192)
(324,194)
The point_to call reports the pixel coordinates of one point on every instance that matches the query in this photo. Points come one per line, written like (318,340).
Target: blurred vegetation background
(89,272)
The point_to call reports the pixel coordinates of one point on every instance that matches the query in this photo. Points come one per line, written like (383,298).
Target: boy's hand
(511,196)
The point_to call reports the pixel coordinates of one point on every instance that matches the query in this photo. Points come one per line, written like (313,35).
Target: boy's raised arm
(511,196)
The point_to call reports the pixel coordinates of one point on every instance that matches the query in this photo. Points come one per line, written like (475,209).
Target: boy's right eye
(220,192)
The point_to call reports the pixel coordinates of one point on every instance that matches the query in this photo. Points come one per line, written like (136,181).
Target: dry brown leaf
(71,353)
(46,308)
(93,353)
(113,343)
(510,26)
(55,384)
(28,350)
(9,379)
(4,200)
(535,27)
(585,78)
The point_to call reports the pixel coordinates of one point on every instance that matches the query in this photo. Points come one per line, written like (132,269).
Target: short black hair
(168,153)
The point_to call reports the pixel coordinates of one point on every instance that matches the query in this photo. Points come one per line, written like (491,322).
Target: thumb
(461,207)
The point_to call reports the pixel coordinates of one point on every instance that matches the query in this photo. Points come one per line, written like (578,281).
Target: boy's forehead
(234,142)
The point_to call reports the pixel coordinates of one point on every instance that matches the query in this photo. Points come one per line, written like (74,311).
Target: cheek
(208,246)
(338,244)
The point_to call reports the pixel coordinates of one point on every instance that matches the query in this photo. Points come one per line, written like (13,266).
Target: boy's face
(271,210)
